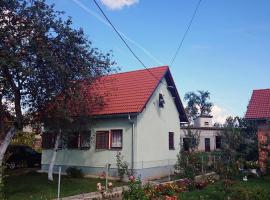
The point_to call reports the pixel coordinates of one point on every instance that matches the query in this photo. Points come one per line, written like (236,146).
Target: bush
(260,194)
(245,194)
(122,166)
(135,190)
(74,172)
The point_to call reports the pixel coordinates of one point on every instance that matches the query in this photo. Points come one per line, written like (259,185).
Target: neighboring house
(209,135)
(141,118)
(258,111)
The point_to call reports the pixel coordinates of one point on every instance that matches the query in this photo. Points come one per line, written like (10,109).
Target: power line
(120,36)
(186,32)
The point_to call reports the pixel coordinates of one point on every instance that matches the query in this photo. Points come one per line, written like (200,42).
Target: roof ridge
(137,70)
(261,89)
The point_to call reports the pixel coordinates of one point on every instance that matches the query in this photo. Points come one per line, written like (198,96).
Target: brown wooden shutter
(102,139)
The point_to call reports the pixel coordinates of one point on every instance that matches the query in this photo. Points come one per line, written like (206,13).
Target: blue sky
(226,51)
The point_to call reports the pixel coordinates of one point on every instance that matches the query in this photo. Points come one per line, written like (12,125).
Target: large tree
(247,143)
(198,104)
(42,57)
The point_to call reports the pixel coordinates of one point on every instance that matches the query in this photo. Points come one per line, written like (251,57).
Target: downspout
(132,145)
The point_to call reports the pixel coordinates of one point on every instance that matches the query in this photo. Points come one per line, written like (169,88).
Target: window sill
(116,148)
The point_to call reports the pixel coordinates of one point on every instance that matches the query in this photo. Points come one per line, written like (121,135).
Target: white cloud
(219,114)
(118,4)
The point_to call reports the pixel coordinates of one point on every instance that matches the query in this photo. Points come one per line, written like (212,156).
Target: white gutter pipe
(132,145)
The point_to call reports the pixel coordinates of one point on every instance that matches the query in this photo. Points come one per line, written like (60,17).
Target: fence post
(59,183)
(142,169)
(107,173)
(215,162)
(202,163)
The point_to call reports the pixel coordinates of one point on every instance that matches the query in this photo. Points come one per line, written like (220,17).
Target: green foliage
(188,162)
(34,186)
(193,138)
(43,56)
(74,172)
(244,194)
(24,138)
(122,166)
(246,133)
(198,104)
(135,191)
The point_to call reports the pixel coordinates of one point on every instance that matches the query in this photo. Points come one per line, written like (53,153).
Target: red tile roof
(129,92)
(259,105)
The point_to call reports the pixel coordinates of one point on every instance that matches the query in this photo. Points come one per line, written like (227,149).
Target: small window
(85,140)
(116,138)
(186,144)
(161,100)
(171,141)
(73,141)
(48,140)
(206,123)
(102,139)
(218,142)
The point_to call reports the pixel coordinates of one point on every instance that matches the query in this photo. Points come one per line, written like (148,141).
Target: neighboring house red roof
(259,105)
(129,92)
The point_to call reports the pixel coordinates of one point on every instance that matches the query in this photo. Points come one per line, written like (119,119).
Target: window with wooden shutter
(102,139)
(116,139)
(171,141)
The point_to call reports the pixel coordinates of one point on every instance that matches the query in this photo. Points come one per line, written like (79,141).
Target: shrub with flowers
(164,191)
(135,190)
(102,189)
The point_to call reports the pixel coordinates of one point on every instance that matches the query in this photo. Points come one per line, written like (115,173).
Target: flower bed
(166,191)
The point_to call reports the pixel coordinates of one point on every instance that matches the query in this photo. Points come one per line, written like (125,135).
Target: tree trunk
(6,141)
(18,110)
(3,147)
(50,172)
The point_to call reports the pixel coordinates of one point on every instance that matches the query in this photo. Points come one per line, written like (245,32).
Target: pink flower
(110,184)
(131,178)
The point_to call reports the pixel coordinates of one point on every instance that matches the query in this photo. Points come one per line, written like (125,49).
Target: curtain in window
(116,139)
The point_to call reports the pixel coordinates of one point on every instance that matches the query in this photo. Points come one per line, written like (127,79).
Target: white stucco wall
(211,133)
(153,127)
(93,157)
(200,122)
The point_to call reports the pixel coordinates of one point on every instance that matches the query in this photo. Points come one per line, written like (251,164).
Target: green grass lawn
(36,186)
(215,192)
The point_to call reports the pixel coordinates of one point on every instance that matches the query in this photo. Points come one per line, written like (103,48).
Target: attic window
(206,123)
(161,100)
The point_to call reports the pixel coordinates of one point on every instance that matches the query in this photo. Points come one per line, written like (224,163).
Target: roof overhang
(116,115)
(172,88)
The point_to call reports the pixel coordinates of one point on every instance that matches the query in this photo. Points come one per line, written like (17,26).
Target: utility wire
(120,36)
(186,32)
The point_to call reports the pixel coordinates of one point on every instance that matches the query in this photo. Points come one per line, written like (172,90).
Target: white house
(210,136)
(141,118)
